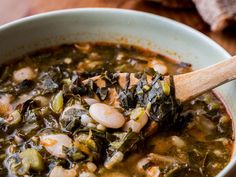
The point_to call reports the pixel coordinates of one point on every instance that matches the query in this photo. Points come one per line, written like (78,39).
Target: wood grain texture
(193,84)
(14,9)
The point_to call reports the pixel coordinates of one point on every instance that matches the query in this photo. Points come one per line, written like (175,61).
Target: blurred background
(206,16)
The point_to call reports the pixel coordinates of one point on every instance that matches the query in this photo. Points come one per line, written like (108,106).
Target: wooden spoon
(193,84)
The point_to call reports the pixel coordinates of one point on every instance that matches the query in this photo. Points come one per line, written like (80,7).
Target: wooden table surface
(15,9)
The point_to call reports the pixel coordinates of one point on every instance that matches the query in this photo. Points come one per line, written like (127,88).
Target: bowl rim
(163,19)
(173,23)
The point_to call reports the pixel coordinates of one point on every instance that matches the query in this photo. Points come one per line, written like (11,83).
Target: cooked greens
(53,123)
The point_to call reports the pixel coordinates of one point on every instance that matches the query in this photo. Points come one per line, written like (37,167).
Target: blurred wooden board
(14,9)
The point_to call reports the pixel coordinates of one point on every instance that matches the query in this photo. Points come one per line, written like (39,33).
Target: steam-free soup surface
(54,124)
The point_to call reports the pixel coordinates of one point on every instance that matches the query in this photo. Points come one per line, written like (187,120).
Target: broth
(47,127)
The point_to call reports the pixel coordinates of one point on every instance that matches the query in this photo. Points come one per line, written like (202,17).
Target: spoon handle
(190,85)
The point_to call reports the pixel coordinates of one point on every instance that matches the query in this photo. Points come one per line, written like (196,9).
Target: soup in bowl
(57,120)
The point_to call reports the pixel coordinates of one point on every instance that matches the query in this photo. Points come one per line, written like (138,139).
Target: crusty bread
(217,13)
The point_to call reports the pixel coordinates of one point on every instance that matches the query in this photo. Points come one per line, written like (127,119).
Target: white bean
(18,139)
(5,106)
(178,142)
(119,56)
(23,73)
(85,120)
(106,115)
(94,56)
(5,99)
(91,167)
(101,127)
(54,143)
(91,125)
(67,61)
(137,124)
(59,171)
(158,66)
(218,153)
(116,158)
(133,125)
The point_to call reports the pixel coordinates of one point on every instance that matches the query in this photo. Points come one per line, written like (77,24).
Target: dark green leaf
(102,93)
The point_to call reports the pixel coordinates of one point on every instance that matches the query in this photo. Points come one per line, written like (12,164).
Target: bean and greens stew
(56,121)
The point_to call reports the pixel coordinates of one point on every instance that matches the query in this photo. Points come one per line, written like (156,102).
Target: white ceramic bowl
(112,25)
